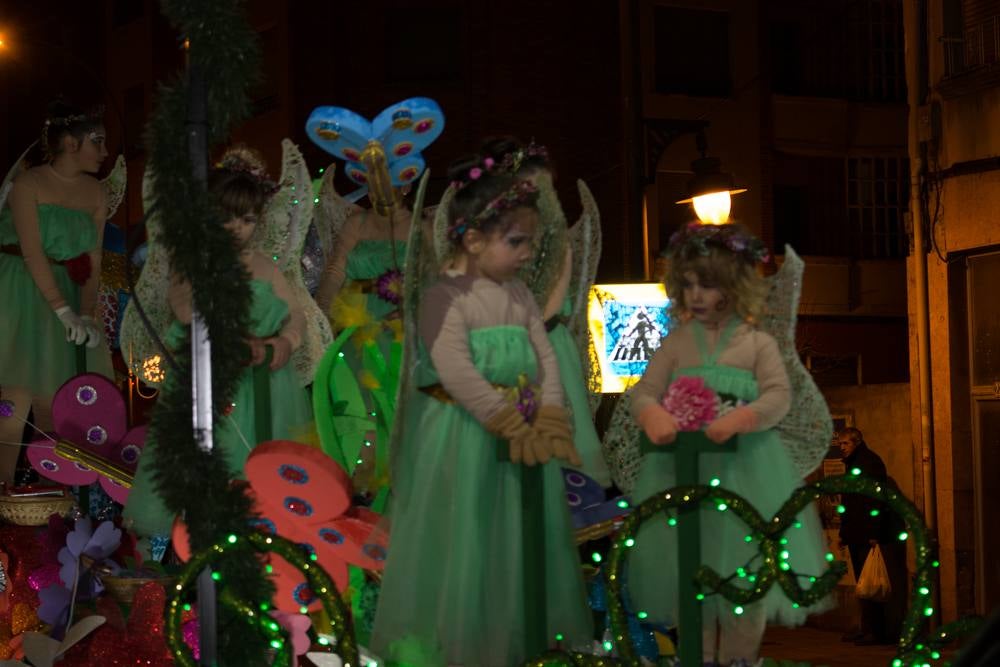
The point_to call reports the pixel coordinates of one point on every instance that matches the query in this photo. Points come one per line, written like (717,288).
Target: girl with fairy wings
(560,275)
(52,219)
(731,369)
(268,222)
(480,412)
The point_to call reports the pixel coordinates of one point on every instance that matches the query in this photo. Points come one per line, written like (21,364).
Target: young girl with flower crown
(487,403)
(557,279)
(242,190)
(718,373)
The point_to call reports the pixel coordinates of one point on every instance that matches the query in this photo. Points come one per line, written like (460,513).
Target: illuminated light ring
(97,435)
(86,395)
(293,474)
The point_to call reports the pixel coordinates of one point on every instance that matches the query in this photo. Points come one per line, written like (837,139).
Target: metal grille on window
(876,199)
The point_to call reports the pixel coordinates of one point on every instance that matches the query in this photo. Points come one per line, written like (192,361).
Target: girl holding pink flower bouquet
(718,373)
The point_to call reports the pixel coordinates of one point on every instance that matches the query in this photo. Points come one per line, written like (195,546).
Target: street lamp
(710,191)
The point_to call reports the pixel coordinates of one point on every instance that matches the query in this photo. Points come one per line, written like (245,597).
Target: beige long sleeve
(775,392)
(23,201)
(444,330)
(456,305)
(749,349)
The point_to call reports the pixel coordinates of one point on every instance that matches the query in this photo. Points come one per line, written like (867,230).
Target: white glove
(93,331)
(76,328)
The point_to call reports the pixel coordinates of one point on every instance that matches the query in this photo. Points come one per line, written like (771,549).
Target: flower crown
(513,161)
(475,173)
(697,239)
(516,195)
(238,164)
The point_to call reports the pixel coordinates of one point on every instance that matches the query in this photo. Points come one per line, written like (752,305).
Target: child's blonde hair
(722,256)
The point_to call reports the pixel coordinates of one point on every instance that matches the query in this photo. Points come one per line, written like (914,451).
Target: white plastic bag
(873,584)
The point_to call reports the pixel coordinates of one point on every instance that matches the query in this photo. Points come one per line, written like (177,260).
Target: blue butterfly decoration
(404,129)
(587,505)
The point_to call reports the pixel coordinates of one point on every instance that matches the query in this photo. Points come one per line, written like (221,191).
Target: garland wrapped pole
(201,359)
(193,480)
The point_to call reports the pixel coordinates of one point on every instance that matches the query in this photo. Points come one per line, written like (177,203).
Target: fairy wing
(137,343)
(585,241)
(807,429)
(332,212)
(441,246)
(621,445)
(546,264)
(422,268)
(114,185)
(282,236)
(12,173)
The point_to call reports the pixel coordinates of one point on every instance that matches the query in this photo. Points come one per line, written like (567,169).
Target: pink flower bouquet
(691,402)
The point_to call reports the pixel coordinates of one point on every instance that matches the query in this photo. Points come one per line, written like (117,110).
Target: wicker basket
(33,510)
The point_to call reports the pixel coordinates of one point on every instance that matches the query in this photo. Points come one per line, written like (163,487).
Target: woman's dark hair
(529,157)
(479,184)
(239,183)
(64,119)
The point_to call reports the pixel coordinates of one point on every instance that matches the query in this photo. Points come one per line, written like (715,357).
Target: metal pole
(201,358)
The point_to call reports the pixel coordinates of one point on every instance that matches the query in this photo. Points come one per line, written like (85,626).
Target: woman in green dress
(51,229)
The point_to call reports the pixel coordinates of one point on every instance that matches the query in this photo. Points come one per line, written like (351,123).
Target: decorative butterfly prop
(586,501)
(94,442)
(301,494)
(403,130)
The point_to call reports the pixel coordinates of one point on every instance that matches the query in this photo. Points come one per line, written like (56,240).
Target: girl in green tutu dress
(51,230)
(275,321)
(719,372)
(486,403)
(560,275)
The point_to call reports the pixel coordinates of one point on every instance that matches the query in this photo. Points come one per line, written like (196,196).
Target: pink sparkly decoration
(44,576)
(691,403)
(190,632)
(475,173)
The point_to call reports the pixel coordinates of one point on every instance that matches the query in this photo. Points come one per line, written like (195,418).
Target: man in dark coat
(863,525)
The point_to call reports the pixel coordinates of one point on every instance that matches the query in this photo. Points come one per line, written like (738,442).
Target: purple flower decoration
(85,541)
(389,286)
(54,609)
(6,409)
(526,403)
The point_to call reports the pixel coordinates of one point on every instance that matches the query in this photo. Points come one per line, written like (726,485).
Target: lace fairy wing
(621,445)
(114,185)
(546,264)
(807,429)
(423,265)
(282,235)
(285,209)
(12,173)
(585,240)
(137,344)
(333,211)
(440,242)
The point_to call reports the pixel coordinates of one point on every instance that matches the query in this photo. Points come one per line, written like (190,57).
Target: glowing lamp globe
(711,191)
